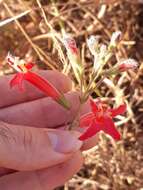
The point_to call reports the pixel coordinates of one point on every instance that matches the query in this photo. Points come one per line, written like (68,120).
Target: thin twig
(53,32)
(9,20)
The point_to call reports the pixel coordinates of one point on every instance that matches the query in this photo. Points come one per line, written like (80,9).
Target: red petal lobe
(29,65)
(93,105)
(109,128)
(86,119)
(119,110)
(17,80)
(91,131)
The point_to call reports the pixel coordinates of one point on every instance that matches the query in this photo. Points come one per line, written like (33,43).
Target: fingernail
(65,141)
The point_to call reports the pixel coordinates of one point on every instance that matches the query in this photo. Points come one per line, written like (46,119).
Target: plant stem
(75,122)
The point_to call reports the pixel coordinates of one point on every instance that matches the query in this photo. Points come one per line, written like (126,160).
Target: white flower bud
(93,43)
(116,36)
(98,57)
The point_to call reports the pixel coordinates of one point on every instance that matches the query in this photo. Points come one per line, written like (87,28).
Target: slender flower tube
(46,87)
(100,119)
(73,56)
(24,73)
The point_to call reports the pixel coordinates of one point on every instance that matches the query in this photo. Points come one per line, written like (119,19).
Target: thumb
(28,148)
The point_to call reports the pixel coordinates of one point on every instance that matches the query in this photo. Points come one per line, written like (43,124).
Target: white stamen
(13,61)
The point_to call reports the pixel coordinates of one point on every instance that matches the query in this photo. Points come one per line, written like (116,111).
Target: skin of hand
(34,148)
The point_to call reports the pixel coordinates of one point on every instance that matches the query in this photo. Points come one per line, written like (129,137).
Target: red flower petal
(91,131)
(86,119)
(42,84)
(94,106)
(29,65)
(119,110)
(17,80)
(109,128)
(46,87)
(101,120)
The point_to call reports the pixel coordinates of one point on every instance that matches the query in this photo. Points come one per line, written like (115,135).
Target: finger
(45,179)
(43,112)
(27,148)
(5,171)
(90,143)
(87,144)
(13,96)
(34,114)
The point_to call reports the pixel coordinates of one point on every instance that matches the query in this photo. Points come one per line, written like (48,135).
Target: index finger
(13,96)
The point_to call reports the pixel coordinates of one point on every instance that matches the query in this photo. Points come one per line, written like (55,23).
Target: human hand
(26,144)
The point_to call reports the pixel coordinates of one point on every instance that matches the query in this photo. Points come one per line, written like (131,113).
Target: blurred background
(37,35)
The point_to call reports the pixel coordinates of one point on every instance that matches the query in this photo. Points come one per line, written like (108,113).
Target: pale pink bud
(70,44)
(115,38)
(127,64)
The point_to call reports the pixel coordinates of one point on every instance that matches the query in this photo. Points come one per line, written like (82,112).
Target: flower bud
(73,56)
(115,38)
(99,57)
(127,64)
(70,45)
(93,44)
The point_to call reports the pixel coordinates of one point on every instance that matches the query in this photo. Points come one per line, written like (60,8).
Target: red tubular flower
(34,79)
(46,87)
(100,119)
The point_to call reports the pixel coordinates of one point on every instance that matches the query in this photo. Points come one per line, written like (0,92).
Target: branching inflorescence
(101,116)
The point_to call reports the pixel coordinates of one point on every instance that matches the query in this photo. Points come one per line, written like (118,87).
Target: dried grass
(108,165)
